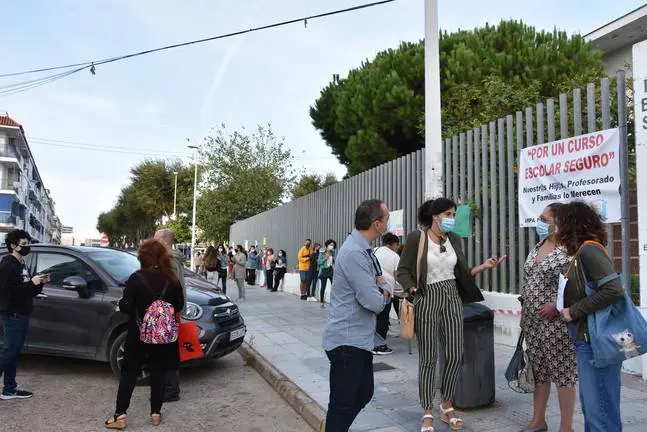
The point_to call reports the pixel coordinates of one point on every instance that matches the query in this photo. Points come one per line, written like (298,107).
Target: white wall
(618,60)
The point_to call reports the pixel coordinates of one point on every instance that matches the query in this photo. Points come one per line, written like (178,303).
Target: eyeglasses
(443,249)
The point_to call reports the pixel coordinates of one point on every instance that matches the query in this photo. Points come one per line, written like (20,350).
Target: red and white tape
(507,312)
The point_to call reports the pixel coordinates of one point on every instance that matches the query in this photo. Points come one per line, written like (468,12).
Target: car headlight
(192,311)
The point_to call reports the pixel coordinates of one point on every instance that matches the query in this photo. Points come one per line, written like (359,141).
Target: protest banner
(585,167)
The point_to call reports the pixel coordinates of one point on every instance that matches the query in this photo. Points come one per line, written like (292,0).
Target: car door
(62,321)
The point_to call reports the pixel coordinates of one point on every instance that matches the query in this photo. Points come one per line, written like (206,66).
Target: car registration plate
(236,334)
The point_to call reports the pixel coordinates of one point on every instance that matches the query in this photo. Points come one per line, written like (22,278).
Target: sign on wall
(396,223)
(585,167)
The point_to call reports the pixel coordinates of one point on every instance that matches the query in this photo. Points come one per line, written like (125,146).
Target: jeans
(312,282)
(599,390)
(322,289)
(351,386)
(222,276)
(269,279)
(15,333)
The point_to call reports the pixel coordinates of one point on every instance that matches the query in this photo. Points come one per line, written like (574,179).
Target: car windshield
(120,265)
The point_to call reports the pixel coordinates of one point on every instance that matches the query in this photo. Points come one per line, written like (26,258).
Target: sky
(148,106)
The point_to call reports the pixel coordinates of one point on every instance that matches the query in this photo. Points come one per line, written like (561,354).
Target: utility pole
(433,134)
(175,197)
(195,197)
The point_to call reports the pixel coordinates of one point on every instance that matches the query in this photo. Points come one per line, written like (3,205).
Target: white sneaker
(312,299)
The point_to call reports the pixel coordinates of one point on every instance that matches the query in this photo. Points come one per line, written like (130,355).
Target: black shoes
(18,394)
(382,350)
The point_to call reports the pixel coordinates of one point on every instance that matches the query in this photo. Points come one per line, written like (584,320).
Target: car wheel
(117,353)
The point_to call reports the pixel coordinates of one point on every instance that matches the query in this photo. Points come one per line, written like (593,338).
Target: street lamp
(433,138)
(195,197)
(175,197)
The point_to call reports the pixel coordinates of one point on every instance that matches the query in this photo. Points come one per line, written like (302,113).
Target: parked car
(77,313)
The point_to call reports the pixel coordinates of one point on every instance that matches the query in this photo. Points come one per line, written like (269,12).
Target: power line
(27,85)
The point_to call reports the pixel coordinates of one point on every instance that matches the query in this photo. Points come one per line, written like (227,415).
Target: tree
(181,227)
(376,113)
(244,174)
(309,183)
(148,199)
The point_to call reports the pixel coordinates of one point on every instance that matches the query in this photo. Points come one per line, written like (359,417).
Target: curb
(299,400)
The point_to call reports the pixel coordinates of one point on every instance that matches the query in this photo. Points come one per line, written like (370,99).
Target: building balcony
(7,219)
(9,157)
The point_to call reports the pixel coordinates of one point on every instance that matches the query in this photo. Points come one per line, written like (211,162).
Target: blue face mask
(542,229)
(447,225)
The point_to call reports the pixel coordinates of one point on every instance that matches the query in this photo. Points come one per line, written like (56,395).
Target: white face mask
(331,247)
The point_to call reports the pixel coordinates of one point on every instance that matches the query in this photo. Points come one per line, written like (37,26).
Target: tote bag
(519,371)
(188,341)
(407,310)
(617,332)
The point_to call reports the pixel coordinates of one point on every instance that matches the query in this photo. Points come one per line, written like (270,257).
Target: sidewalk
(288,333)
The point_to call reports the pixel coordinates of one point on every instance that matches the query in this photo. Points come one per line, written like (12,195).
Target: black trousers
(130,372)
(382,322)
(351,386)
(279,274)
(251,276)
(172,384)
(395,301)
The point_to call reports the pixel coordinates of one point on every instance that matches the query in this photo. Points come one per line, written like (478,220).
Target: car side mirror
(78,284)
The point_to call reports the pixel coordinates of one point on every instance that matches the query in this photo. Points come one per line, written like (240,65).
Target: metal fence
(480,168)
(329,213)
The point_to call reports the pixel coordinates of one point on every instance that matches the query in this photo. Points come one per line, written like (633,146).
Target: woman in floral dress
(550,350)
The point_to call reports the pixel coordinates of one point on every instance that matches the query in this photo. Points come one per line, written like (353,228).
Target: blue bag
(617,332)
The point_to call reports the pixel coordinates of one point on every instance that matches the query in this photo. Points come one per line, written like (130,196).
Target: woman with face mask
(223,263)
(280,269)
(326,264)
(551,353)
(434,273)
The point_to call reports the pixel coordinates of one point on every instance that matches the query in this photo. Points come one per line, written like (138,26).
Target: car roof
(81,249)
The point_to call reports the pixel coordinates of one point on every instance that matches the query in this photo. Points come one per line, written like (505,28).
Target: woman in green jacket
(438,279)
(581,232)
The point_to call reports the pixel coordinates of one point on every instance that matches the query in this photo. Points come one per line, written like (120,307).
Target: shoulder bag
(617,332)
(407,310)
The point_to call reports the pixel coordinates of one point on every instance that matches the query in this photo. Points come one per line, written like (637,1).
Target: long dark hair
(153,255)
(210,258)
(577,222)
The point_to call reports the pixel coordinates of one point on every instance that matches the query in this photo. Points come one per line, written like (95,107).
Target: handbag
(519,371)
(407,310)
(616,332)
(188,341)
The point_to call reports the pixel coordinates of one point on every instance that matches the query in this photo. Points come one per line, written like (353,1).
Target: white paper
(560,292)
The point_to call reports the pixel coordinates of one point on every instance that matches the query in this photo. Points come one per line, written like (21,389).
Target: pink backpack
(159,325)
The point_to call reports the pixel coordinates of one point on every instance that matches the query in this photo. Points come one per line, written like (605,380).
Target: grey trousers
(241,288)
(439,319)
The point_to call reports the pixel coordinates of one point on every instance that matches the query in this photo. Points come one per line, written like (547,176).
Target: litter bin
(476,386)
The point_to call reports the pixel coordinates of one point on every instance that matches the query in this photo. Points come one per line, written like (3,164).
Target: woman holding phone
(434,272)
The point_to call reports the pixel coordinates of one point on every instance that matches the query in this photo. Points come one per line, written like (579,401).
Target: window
(60,266)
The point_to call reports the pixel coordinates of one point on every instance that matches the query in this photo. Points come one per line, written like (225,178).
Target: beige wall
(618,60)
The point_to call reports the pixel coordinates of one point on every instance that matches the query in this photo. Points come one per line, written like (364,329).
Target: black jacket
(17,291)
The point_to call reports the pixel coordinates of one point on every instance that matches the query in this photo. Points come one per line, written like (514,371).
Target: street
(77,396)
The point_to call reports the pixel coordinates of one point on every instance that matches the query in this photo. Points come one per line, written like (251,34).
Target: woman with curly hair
(581,232)
(156,280)
(550,349)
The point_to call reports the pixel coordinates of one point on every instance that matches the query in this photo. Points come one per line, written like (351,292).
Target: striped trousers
(438,319)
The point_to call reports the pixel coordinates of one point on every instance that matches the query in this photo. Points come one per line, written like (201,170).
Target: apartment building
(25,203)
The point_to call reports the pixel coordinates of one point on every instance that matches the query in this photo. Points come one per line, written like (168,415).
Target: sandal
(454,423)
(156,419)
(427,428)
(117,422)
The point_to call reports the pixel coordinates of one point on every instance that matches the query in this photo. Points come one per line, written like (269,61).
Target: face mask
(542,229)
(220,250)
(447,224)
(307,245)
(24,250)
(331,247)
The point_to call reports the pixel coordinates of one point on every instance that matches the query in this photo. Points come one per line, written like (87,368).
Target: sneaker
(312,299)
(382,350)
(304,297)
(18,394)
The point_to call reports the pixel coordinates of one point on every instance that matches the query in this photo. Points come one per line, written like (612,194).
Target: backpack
(159,325)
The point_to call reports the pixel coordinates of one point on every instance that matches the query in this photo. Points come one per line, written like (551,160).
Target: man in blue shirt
(358,294)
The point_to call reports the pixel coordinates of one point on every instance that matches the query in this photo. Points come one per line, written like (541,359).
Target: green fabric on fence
(463,226)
